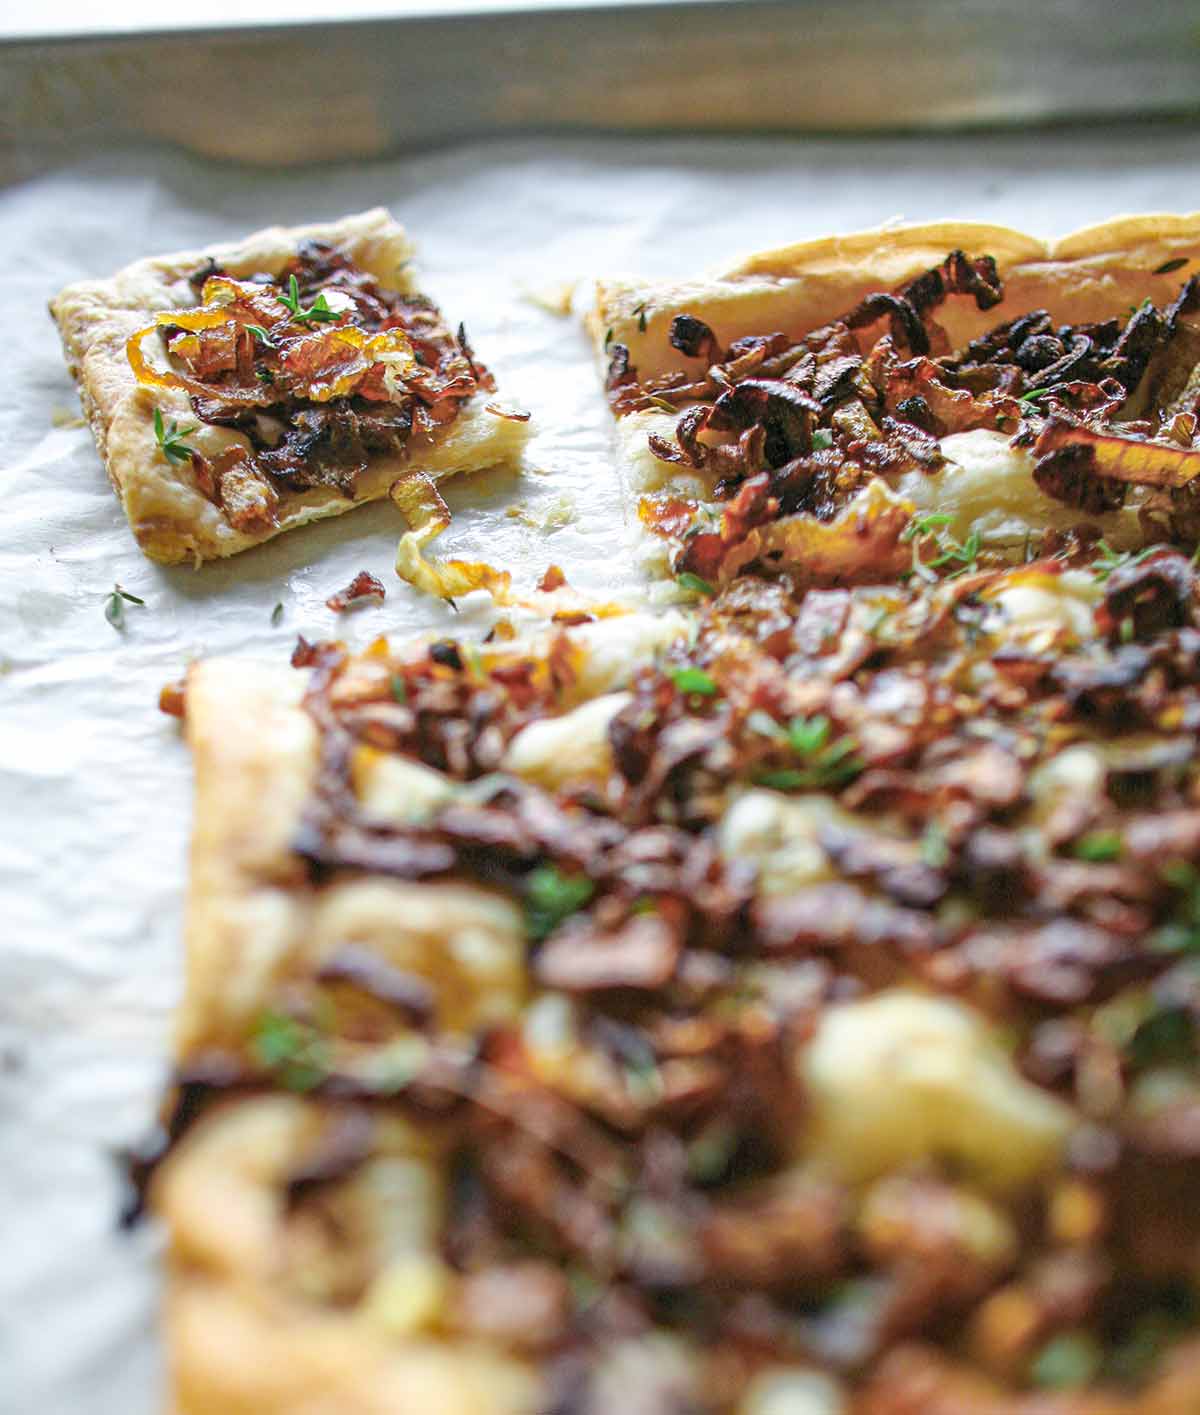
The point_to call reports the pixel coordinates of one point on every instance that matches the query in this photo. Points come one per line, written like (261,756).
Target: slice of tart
(241,390)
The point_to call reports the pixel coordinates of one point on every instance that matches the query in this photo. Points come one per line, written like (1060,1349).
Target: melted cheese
(988,486)
(902,1078)
(1030,605)
(792,1390)
(614,647)
(1077,771)
(568,748)
(467,942)
(780,834)
(398,789)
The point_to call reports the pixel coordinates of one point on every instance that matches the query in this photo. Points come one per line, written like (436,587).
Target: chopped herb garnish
(551,897)
(1165,1036)
(277,615)
(169,439)
(1030,398)
(950,551)
(261,335)
(264,375)
(687,581)
(294,1050)
(1069,1361)
(1098,847)
(935,848)
(1110,559)
(1169,265)
(641,314)
(827,765)
(693,680)
(318,312)
(925,526)
(608,337)
(662,404)
(822,439)
(399,688)
(1182,933)
(114,606)
(808,734)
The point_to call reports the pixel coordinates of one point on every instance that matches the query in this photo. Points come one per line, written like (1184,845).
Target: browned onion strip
(1126,459)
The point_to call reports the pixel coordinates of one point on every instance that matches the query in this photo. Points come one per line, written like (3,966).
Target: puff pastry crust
(1090,274)
(171,518)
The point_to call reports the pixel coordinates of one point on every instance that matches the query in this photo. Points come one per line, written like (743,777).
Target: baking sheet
(94,782)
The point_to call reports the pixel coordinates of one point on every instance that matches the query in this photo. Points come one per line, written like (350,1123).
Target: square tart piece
(243,389)
(555,1006)
(846,407)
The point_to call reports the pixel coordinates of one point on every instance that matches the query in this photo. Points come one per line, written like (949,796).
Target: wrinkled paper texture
(94,781)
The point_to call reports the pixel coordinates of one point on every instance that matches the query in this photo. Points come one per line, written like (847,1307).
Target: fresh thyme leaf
(277,615)
(686,580)
(1110,559)
(822,439)
(693,680)
(1098,847)
(808,734)
(264,375)
(1182,933)
(169,438)
(664,404)
(551,897)
(261,335)
(925,525)
(826,764)
(295,1051)
(949,551)
(399,688)
(318,312)
(1032,395)
(1069,1361)
(935,848)
(1165,1036)
(608,337)
(114,606)
(784,779)
(1169,265)
(641,314)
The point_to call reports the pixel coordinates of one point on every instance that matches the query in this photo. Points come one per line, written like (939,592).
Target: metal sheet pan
(326,90)
(89,955)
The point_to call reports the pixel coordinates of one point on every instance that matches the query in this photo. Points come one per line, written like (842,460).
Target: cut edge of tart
(866,431)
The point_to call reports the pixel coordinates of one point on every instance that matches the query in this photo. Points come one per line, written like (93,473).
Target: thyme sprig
(317,313)
(170,439)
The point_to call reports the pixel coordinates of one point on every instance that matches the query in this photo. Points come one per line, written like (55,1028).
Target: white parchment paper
(94,782)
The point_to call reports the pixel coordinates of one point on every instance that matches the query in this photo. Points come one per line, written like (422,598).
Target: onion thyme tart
(862,405)
(246,389)
(788,1010)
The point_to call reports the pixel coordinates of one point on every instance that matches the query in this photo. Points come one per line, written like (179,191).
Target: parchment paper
(94,782)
